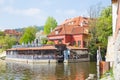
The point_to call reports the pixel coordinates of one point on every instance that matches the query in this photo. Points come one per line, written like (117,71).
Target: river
(44,71)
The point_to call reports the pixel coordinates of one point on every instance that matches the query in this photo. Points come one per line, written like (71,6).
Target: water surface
(45,71)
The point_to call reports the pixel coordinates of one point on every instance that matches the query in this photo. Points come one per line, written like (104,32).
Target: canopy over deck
(46,47)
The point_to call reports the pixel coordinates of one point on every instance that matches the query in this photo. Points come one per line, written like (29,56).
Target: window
(72,23)
(74,43)
(83,23)
(56,32)
(85,44)
(79,43)
(59,41)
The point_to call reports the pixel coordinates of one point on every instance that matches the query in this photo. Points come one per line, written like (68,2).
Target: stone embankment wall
(110,51)
(116,68)
(3,54)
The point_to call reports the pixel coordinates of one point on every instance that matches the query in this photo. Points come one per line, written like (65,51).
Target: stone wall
(110,51)
(116,68)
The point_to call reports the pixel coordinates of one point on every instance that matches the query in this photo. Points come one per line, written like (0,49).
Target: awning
(34,48)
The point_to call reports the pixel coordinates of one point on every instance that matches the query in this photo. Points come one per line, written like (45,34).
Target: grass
(1,50)
(108,73)
(3,58)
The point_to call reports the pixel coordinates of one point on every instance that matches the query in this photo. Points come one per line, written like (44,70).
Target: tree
(105,25)
(2,33)
(7,42)
(104,28)
(100,29)
(50,24)
(94,13)
(28,35)
(50,43)
(44,41)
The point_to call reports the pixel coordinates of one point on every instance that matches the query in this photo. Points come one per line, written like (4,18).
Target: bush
(50,42)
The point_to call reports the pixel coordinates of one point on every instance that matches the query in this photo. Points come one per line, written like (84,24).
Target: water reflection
(44,71)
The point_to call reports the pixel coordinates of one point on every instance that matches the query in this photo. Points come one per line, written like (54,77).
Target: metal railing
(26,45)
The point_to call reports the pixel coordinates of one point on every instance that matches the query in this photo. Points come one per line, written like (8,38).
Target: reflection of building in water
(32,71)
(43,71)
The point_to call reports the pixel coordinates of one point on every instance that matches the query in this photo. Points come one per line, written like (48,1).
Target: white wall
(114,16)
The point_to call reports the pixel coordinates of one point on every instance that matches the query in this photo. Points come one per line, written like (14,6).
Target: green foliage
(37,27)
(105,25)
(50,42)
(51,23)
(105,75)
(7,42)
(28,35)
(2,33)
(44,41)
(100,29)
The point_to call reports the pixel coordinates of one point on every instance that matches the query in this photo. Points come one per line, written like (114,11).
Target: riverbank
(107,78)
(2,55)
(108,75)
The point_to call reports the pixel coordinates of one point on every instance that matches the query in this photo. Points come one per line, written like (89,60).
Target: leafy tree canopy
(100,29)
(28,35)
(50,24)
(44,41)
(2,33)
(7,42)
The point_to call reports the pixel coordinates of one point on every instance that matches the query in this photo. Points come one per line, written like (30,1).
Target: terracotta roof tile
(75,21)
(62,30)
(12,32)
(35,48)
(68,29)
(71,29)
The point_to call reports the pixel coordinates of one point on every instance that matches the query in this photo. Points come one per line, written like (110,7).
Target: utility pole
(99,58)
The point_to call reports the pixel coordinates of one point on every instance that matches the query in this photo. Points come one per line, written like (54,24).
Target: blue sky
(23,13)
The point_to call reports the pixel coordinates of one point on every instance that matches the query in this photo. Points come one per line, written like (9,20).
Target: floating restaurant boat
(47,53)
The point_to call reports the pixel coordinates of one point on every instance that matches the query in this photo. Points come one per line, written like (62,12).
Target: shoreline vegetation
(108,75)
(2,54)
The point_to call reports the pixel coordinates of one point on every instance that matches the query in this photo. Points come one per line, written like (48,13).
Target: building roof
(79,26)
(75,21)
(46,47)
(12,32)
(68,29)
(80,30)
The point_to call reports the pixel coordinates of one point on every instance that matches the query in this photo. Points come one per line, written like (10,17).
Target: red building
(118,17)
(13,33)
(72,32)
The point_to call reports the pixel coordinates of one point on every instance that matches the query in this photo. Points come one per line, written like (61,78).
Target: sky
(22,13)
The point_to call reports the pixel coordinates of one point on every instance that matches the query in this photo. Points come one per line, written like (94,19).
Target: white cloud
(11,1)
(26,12)
(2,2)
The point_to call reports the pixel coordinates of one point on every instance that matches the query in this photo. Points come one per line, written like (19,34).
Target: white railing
(26,45)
